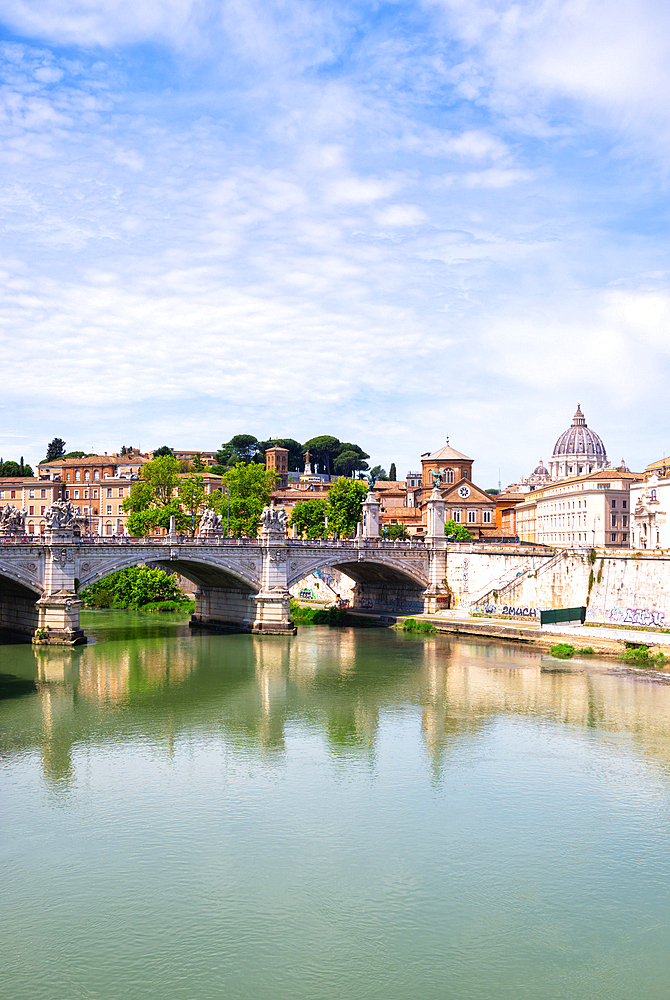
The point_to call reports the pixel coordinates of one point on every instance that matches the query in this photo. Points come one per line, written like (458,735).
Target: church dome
(540,470)
(579,450)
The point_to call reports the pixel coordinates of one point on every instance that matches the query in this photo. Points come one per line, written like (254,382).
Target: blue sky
(391,222)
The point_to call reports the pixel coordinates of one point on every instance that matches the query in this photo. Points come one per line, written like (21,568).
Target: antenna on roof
(447,439)
(499,483)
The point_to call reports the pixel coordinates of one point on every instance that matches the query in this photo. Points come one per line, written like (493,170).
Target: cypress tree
(392,473)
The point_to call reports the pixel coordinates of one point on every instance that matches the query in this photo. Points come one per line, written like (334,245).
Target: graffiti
(636,616)
(466,575)
(306,594)
(506,609)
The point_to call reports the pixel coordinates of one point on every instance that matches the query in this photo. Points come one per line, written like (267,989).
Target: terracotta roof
(446,454)
(95,460)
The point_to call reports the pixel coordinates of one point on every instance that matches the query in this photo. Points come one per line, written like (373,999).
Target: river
(342,814)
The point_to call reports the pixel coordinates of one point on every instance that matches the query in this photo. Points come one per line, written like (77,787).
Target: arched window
(450,475)
(77,476)
(87,475)
(96,474)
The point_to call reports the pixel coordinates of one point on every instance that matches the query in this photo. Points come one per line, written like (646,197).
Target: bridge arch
(370,570)
(203,572)
(19,593)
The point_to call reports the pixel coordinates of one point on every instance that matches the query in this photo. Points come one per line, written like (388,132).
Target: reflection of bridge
(242,584)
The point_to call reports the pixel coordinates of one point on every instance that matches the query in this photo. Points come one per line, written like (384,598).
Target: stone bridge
(241,584)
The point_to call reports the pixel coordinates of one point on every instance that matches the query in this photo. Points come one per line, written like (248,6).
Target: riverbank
(598,640)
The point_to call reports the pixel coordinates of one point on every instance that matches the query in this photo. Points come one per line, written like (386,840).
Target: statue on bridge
(211,524)
(12,520)
(61,514)
(438,478)
(274,519)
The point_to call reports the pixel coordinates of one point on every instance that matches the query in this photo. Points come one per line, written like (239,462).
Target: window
(624,504)
(67,494)
(472,516)
(487,517)
(31,510)
(450,475)
(456,516)
(624,538)
(109,491)
(604,486)
(85,510)
(2,494)
(652,493)
(95,494)
(85,494)
(68,477)
(31,493)
(77,476)
(43,510)
(87,475)
(613,503)
(12,494)
(109,508)
(613,537)
(76,494)
(120,511)
(624,521)
(43,493)
(31,529)
(96,474)
(120,491)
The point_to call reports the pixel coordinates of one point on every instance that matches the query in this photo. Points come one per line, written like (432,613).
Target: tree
(323,451)
(395,531)
(379,473)
(457,532)
(344,507)
(11,469)
(152,500)
(160,452)
(393,475)
(247,490)
(132,588)
(350,459)
(198,464)
(194,499)
(241,448)
(310,518)
(55,450)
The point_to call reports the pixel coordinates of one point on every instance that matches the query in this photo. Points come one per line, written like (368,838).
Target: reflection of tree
(160,683)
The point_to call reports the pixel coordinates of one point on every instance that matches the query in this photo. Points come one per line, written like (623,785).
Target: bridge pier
(273,601)
(437,593)
(58,608)
(230,609)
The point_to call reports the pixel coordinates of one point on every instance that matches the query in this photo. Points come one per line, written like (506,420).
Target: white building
(650,501)
(592,511)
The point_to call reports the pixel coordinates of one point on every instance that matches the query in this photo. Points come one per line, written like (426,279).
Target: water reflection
(161,682)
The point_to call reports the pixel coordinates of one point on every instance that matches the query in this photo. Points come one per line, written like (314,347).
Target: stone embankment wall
(631,588)
(476,573)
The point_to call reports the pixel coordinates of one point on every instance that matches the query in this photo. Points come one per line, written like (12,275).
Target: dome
(580,441)
(540,470)
(578,450)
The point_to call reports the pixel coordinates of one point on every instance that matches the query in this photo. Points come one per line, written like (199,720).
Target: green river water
(343,814)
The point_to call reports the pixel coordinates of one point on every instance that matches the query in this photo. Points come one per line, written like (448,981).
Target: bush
(135,587)
(644,656)
(588,651)
(563,651)
(412,625)
(331,616)
(164,607)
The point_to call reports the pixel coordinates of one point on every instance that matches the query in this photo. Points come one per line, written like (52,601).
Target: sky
(390,222)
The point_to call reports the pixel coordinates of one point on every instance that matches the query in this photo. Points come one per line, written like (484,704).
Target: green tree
(198,464)
(194,499)
(395,531)
(132,588)
(393,475)
(14,470)
(241,448)
(350,459)
(55,450)
(323,451)
(344,506)
(246,491)
(458,532)
(163,451)
(379,473)
(153,497)
(310,518)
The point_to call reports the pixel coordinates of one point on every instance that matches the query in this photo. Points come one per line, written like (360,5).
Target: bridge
(241,584)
